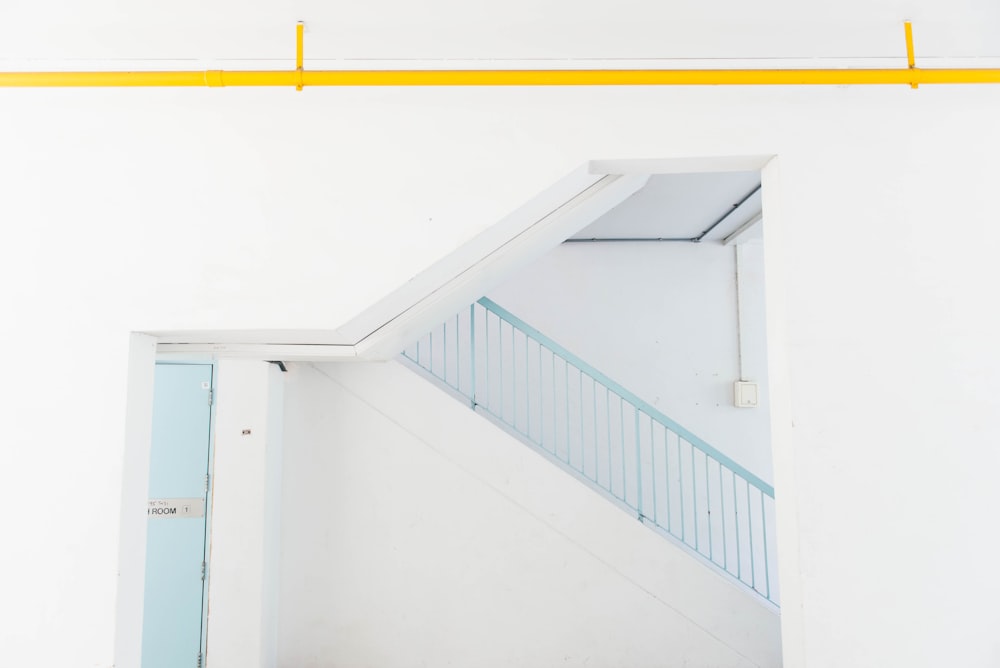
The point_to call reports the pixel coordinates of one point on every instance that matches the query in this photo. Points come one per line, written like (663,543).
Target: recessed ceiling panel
(681,206)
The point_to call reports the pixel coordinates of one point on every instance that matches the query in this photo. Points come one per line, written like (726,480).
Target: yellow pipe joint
(213,78)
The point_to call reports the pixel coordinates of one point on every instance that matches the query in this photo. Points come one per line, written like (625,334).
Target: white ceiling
(517,29)
(682,206)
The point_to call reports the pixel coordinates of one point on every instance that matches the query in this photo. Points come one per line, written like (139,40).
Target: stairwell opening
(635,356)
(413,516)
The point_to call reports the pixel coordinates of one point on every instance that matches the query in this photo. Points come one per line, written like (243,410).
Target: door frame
(130,598)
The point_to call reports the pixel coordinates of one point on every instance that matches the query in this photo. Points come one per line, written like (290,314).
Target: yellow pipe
(219,78)
(300,78)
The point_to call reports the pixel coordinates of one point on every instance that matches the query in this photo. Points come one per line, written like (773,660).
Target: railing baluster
(722,514)
(555,410)
(736,519)
(753,570)
(638,467)
(513,377)
(541,402)
(607,423)
(666,473)
(694,498)
(503,397)
(527,389)
(458,354)
(767,570)
(597,468)
(472,352)
(652,466)
(569,443)
(486,369)
(621,425)
(583,439)
(708,508)
(680,483)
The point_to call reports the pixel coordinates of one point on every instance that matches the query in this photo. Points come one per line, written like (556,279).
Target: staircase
(616,443)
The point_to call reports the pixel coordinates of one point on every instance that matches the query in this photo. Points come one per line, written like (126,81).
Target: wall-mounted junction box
(746,394)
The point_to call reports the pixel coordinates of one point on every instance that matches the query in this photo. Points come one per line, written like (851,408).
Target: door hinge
(206,482)
(204,567)
(211,395)
(199,659)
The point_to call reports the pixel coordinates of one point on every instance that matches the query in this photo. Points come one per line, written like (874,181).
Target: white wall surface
(415,532)
(661,319)
(129,606)
(127,210)
(244,560)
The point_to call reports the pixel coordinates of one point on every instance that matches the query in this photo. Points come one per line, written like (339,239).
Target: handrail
(612,440)
(643,405)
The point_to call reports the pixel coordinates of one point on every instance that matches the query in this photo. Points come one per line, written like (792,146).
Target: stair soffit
(459,278)
(454,281)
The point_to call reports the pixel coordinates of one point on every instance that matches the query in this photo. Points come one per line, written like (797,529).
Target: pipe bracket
(299,30)
(910,60)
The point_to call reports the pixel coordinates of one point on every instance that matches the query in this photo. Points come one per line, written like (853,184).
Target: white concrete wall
(245,544)
(127,210)
(661,319)
(415,532)
(129,606)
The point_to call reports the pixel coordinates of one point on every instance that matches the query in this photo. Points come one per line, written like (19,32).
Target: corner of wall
(135,483)
(782,441)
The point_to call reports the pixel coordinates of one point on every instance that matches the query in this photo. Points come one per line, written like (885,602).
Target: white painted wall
(246,516)
(661,319)
(126,210)
(415,532)
(129,606)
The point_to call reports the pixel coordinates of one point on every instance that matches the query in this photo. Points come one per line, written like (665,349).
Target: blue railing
(619,444)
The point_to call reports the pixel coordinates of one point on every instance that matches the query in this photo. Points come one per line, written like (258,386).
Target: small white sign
(176,508)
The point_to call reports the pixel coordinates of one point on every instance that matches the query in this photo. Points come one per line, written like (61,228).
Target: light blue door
(175,543)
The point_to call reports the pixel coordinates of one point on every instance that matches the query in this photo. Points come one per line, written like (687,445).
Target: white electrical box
(746,394)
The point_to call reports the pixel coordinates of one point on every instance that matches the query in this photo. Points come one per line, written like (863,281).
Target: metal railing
(619,444)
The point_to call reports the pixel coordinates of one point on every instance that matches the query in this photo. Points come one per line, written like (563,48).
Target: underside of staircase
(443,540)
